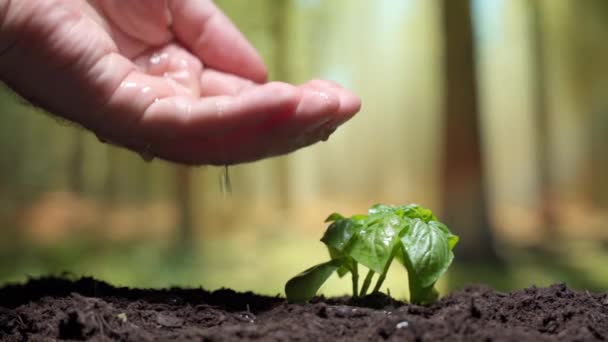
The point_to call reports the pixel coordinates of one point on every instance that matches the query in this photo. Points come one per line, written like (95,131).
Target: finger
(202,27)
(350,104)
(282,133)
(201,118)
(314,117)
(144,20)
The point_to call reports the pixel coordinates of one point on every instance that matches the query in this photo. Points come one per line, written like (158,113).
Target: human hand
(169,78)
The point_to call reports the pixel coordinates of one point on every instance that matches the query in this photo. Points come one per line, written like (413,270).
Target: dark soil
(51,308)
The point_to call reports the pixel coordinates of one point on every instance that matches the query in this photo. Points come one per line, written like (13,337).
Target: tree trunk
(541,114)
(592,35)
(463,193)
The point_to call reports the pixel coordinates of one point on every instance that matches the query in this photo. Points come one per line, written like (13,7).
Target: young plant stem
(379,282)
(355,274)
(383,275)
(366,283)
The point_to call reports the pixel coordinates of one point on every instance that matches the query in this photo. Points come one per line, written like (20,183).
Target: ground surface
(50,309)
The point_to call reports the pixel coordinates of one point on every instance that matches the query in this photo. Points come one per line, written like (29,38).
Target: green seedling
(410,234)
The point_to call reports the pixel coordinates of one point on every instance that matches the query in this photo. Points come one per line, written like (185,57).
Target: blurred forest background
(493,113)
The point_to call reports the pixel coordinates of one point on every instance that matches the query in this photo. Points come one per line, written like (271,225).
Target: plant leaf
(348,264)
(410,233)
(305,285)
(334,217)
(375,242)
(381,209)
(340,233)
(411,211)
(415,211)
(342,271)
(452,239)
(427,248)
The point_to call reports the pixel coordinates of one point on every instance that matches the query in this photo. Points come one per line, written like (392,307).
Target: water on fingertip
(102,139)
(324,96)
(328,132)
(158,58)
(146,156)
(105,140)
(220,108)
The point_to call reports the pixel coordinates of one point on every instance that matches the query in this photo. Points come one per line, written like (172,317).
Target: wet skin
(174,79)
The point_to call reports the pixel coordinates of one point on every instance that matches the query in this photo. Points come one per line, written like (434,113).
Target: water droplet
(402,325)
(324,96)
(325,134)
(126,84)
(220,107)
(158,58)
(146,155)
(155,59)
(101,139)
(225,183)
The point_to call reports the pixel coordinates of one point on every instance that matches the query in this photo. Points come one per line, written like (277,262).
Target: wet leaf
(305,285)
(376,241)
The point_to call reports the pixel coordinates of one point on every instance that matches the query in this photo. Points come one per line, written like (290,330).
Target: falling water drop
(225,183)
(146,155)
